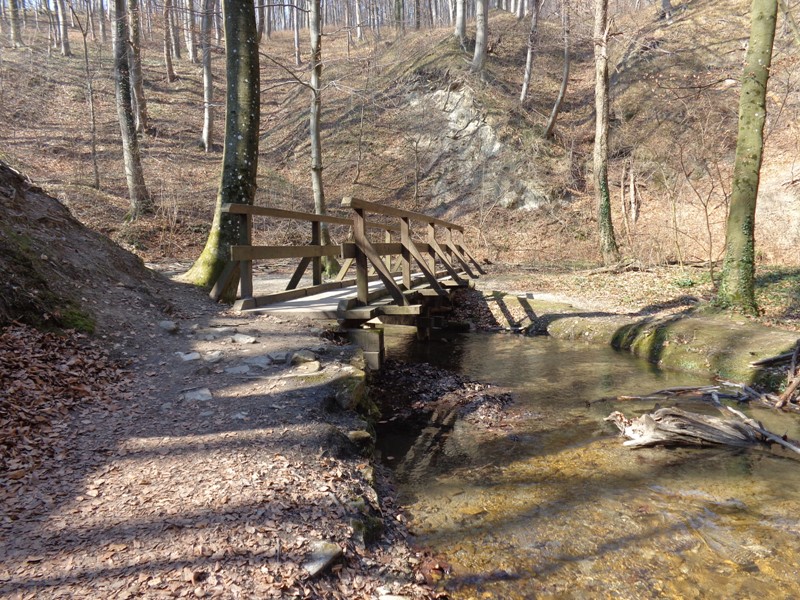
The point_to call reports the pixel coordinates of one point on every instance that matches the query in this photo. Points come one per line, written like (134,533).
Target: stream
(556,507)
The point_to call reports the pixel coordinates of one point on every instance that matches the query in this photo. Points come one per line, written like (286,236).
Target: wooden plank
(423,265)
(466,253)
(368,252)
(265,211)
(316,262)
(349,249)
(390,211)
(405,255)
(298,273)
(267,252)
(362,264)
(348,262)
(454,251)
(279,213)
(230,272)
(268,299)
(448,267)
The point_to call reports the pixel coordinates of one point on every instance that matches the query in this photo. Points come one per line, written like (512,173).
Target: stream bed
(556,507)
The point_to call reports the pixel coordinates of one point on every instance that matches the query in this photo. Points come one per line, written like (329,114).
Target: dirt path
(216,476)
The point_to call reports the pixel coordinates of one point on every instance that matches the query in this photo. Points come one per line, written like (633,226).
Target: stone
(308,367)
(241,338)
(279,358)
(238,370)
(261,361)
(323,555)
(188,356)
(213,357)
(303,356)
(239,416)
(360,438)
(168,326)
(198,395)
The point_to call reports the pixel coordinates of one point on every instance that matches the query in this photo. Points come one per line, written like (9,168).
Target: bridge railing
(371,259)
(452,255)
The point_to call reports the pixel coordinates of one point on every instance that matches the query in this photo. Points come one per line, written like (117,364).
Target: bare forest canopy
(407,121)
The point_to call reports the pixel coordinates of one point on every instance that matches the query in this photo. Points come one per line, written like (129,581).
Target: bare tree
(562,92)
(526,80)
(608,243)
(737,286)
(481,32)
(135,61)
(168,41)
(16,32)
(461,21)
(315,32)
(140,201)
(64,28)
(240,152)
(208,77)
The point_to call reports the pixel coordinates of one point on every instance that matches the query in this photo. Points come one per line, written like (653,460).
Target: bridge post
(431,251)
(362,276)
(405,253)
(246,266)
(316,262)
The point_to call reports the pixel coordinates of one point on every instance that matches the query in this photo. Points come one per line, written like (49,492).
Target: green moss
(74,317)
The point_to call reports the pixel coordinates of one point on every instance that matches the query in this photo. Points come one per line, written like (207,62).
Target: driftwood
(674,426)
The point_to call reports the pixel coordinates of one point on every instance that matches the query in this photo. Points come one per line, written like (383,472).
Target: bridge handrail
(390,211)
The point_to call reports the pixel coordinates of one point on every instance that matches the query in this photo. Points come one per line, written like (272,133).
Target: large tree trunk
(137,191)
(481,31)
(16,32)
(562,92)
(208,78)
(135,61)
(240,153)
(608,243)
(526,80)
(315,31)
(296,32)
(737,284)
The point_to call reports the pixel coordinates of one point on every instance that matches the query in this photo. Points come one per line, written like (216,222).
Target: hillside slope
(406,122)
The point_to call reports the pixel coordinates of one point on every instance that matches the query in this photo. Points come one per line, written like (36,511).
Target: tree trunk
(526,80)
(168,42)
(481,31)
(548,132)
(62,19)
(135,62)
(666,9)
(174,30)
(189,31)
(137,191)
(261,11)
(240,153)
(608,243)
(315,31)
(359,24)
(208,80)
(16,32)
(461,21)
(296,14)
(738,271)
(101,15)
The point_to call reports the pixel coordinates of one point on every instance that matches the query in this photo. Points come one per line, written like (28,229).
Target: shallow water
(553,506)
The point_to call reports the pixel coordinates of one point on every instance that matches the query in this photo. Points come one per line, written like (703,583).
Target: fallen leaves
(43,376)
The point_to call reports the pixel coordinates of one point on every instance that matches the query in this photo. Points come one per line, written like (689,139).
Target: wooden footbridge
(404,278)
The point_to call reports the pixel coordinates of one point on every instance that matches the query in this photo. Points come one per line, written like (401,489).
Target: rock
(213,357)
(279,358)
(360,438)
(262,361)
(188,356)
(308,367)
(303,356)
(168,326)
(323,555)
(393,597)
(239,416)
(238,370)
(241,338)
(198,395)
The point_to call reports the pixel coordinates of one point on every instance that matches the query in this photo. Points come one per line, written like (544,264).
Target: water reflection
(558,508)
